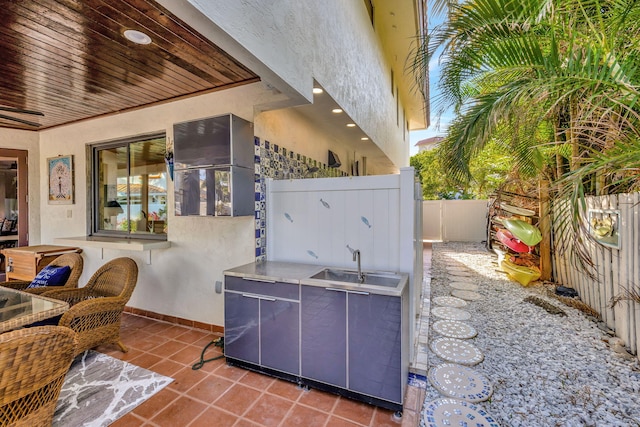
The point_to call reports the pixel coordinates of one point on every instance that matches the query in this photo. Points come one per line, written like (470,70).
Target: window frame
(94,197)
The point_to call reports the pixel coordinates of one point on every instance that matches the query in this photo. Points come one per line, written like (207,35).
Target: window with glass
(130,188)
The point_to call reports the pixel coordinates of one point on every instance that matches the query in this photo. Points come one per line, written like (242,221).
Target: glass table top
(19,308)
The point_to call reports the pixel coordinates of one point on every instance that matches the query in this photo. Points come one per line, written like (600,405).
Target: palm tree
(562,72)
(556,81)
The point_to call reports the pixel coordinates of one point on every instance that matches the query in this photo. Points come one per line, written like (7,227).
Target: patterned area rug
(99,389)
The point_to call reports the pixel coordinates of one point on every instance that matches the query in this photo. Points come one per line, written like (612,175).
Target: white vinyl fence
(454,220)
(616,256)
(322,220)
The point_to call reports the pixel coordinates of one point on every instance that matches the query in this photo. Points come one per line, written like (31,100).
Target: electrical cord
(218,343)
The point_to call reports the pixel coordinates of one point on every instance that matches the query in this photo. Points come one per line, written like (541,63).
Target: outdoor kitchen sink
(334,275)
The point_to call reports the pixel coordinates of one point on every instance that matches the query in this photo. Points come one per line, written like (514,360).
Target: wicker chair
(33,364)
(73,260)
(96,309)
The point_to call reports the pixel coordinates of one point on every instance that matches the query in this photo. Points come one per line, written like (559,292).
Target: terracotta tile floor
(221,395)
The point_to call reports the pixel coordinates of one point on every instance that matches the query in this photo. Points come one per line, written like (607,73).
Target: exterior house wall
(180,281)
(295,132)
(291,43)
(288,128)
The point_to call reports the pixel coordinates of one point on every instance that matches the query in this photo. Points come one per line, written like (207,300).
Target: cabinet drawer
(259,287)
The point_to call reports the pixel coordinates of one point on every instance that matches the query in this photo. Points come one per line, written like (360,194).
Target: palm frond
(558,82)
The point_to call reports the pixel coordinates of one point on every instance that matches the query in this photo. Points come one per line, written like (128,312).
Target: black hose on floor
(218,343)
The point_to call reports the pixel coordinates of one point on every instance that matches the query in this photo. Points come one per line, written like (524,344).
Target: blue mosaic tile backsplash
(274,161)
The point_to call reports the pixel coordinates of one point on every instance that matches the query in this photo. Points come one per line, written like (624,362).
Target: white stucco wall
(293,131)
(29,141)
(289,43)
(180,280)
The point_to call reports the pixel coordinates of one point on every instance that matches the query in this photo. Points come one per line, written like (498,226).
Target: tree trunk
(559,166)
(545,230)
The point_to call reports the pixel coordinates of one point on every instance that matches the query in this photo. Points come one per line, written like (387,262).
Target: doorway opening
(14,225)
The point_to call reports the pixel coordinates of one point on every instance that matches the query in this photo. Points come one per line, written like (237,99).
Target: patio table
(19,308)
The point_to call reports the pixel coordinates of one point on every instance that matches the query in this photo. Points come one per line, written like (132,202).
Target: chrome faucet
(356,257)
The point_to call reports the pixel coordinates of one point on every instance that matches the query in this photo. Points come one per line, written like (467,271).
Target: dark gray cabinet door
(324,335)
(375,364)
(241,327)
(279,335)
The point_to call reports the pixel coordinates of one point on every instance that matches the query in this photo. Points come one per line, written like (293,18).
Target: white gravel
(546,369)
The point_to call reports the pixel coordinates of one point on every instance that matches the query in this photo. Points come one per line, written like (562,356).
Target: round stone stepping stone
(456,351)
(450,313)
(454,412)
(466,295)
(464,286)
(450,302)
(460,382)
(454,329)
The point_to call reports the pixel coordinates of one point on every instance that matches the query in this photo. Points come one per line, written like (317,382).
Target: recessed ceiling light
(337,110)
(137,37)
(317,90)
(351,125)
(364,138)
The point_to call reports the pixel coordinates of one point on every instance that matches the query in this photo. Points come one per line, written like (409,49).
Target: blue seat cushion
(51,276)
(52,321)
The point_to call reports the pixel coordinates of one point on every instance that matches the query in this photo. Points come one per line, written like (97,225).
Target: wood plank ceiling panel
(69,60)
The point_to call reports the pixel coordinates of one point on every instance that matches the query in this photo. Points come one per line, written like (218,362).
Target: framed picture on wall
(604,227)
(61,191)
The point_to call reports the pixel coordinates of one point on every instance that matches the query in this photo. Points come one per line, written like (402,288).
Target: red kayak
(506,238)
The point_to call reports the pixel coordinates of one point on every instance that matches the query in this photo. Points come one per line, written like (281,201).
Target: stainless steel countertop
(295,273)
(287,272)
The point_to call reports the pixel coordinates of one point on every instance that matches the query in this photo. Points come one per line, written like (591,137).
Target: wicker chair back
(33,364)
(116,278)
(96,309)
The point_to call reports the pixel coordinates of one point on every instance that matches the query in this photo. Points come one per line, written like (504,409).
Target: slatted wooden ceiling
(69,60)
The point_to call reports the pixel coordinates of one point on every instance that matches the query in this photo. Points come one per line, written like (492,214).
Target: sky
(438,125)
